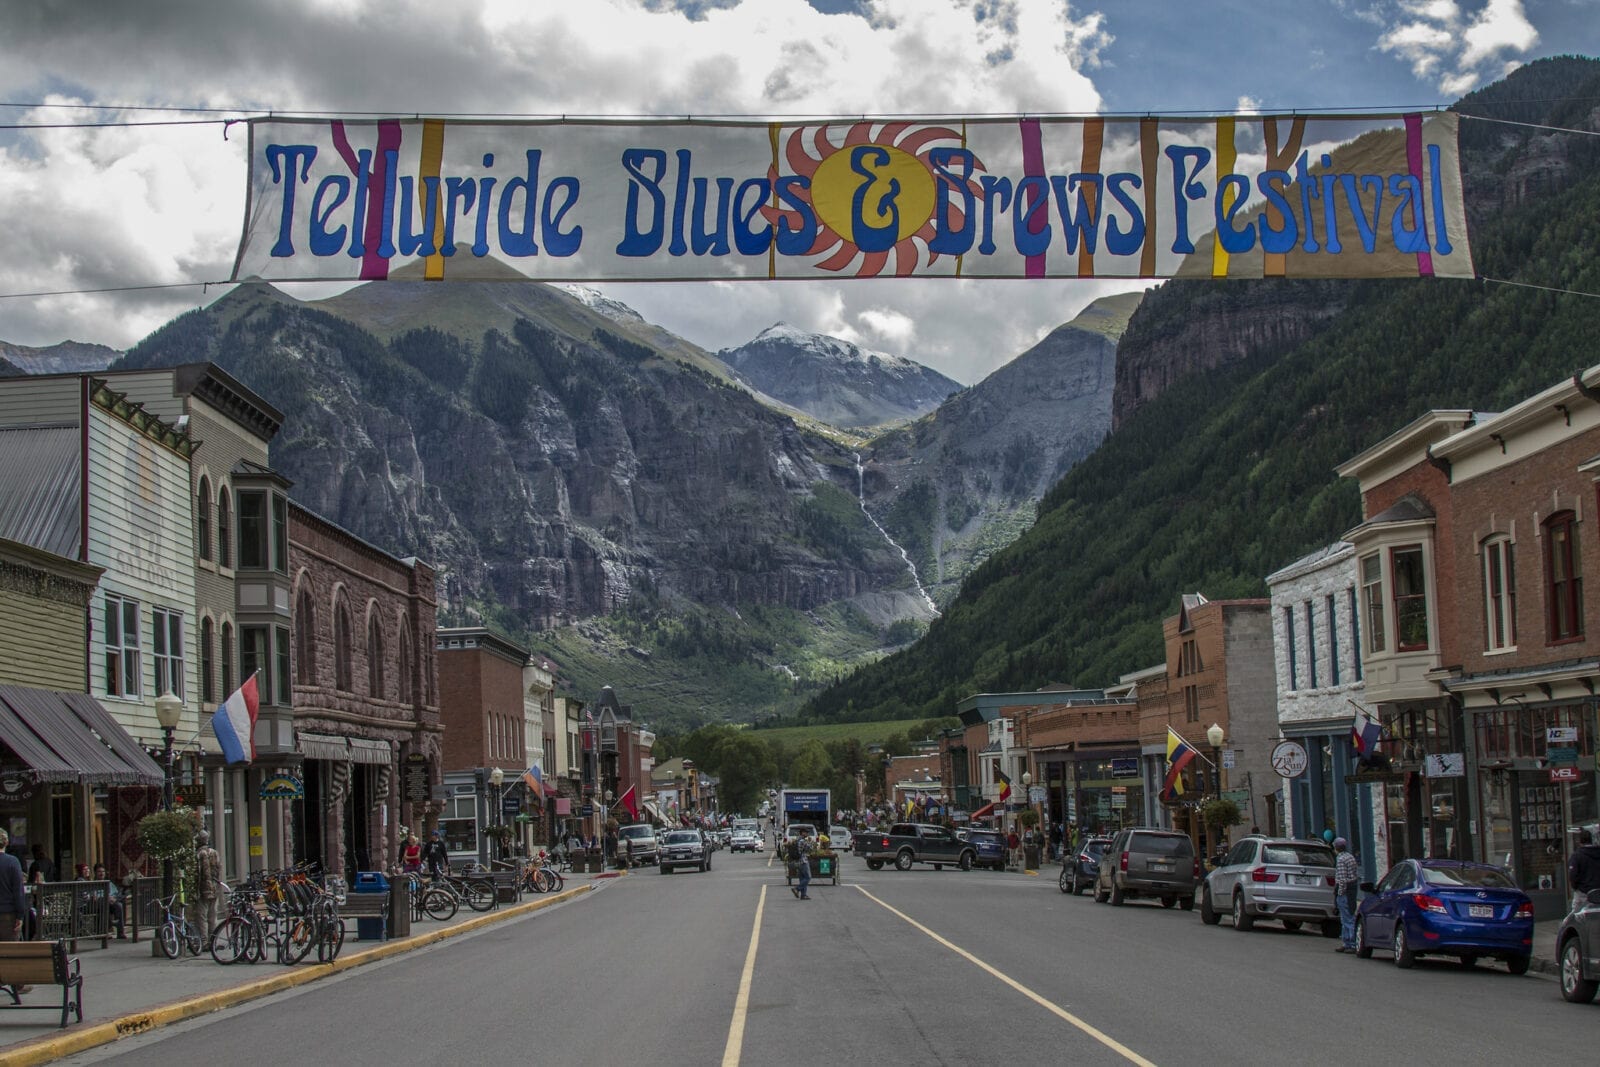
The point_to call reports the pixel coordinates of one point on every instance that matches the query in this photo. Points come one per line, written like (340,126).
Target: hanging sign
(283,787)
(1235,196)
(1289,759)
(414,773)
(1444,765)
(1565,774)
(16,787)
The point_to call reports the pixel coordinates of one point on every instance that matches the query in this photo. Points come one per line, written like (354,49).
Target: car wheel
(1404,958)
(1065,882)
(1363,950)
(1517,964)
(902,862)
(1169,902)
(1208,914)
(938,866)
(965,862)
(1186,903)
(1291,926)
(1099,897)
(663,869)
(1574,986)
(1469,961)
(874,865)
(1242,920)
(1116,894)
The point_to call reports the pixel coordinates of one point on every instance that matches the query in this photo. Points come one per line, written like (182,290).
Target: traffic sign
(1564,774)
(1227,759)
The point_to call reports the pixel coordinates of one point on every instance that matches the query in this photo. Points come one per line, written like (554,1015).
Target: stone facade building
(366,695)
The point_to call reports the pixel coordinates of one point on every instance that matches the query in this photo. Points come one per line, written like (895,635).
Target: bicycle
(477,894)
(177,932)
(542,876)
(434,901)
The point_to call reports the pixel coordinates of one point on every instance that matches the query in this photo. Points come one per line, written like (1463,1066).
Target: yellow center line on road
(1055,1009)
(741,1003)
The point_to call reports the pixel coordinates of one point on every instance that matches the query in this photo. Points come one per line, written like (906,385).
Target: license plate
(1480,911)
(1302,879)
(1163,867)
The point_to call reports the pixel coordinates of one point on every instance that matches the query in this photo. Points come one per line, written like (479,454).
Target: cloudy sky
(110,193)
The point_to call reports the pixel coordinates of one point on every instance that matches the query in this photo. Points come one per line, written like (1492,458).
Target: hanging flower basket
(167,835)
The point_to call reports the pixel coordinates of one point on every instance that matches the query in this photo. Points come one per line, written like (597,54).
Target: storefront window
(459,823)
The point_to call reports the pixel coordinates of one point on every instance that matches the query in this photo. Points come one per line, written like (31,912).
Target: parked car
(1578,951)
(745,841)
(1273,878)
(1079,871)
(1145,862)
(840,838)
(641,836)
(1437,907)
(684,848)
(906,843)
(990,847)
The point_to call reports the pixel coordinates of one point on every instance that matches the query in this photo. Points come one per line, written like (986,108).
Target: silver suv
(1274,878)
(1148,863)
(684,848)
(637,844)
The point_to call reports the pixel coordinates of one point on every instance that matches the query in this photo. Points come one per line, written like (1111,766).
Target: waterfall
(861,498)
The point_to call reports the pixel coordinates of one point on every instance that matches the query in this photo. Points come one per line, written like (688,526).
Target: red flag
(626,800)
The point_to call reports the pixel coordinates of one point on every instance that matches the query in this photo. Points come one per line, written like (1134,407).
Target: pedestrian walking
(411,858)
(1346,878)
(1583,869)
(801,847)
(13,899)
(209,892)
(1014,848)
(1056,837)
(436,856)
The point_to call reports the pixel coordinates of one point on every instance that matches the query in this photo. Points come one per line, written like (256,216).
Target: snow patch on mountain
(601,304)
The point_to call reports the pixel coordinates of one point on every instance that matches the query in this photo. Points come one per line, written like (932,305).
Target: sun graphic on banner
(874,194)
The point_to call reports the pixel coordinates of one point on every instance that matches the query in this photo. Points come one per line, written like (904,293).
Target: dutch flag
(235,724)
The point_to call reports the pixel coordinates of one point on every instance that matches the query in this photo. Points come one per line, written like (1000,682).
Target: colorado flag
(235,723)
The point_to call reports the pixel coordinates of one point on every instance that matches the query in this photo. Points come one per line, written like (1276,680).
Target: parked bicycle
(433,901)
(542,875)
(476,893)
(177,932)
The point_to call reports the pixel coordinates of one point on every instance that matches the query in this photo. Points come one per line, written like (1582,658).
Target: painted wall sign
(16,787)
(1327,196)
(1445,765)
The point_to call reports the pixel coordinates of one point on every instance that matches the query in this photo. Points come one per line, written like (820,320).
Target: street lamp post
(169,709)
(1214,736)
(496,776)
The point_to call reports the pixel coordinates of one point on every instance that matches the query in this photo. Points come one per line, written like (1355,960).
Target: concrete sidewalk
(127,991)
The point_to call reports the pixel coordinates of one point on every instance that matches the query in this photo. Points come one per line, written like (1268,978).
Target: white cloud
(1452,50)
(139,206)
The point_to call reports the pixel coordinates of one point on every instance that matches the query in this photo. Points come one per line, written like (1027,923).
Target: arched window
(208,654)
(226,656)
(224,528)
(405,666)
(1563,578)
(202,516)
(374,656)
(305,637)
(341,645)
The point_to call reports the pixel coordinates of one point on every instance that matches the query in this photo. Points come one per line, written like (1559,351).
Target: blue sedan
(1446,908)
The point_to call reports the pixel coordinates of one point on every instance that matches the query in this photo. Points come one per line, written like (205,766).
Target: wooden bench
(367,906)
(24,963)
(507,885)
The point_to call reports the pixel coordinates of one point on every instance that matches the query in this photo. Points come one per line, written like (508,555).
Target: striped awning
(365,750)
(70,737)
(323,747)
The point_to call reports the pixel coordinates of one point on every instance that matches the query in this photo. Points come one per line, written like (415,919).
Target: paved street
(890,967)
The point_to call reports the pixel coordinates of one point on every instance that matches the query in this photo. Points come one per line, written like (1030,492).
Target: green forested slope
(1228,475)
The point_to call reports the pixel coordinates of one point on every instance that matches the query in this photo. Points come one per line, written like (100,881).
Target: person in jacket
(13,895)
(1583,869)
(436,856)
(1346,878)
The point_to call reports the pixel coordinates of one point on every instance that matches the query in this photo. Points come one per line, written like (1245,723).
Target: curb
(47,1049)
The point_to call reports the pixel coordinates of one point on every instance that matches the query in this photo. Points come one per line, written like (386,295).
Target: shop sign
(1372,777)
(283,787)
(1565,774)
(1560,735)
(1445,765)
(1563,754)
(1119,796)
(510,804)
(1125,768)
(16,787)
(190,794)
(1036,794)
(1240,797)
(414,771)
(1227,759)
(586,811)
(1289,759)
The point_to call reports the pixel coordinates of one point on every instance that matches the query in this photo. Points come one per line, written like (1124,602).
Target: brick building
(1219,671)
(365,694)
(482,712)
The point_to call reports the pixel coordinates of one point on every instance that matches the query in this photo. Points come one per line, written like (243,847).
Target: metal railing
(69,911)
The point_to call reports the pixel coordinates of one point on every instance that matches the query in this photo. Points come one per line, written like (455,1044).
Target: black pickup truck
(906,843)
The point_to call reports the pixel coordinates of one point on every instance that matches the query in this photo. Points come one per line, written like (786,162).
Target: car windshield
(1161,844)
(636,831)
(1096,849)
(681,837)
(1477,877)
(1298,855)
(987,837)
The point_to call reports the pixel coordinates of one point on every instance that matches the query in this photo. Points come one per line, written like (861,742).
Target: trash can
(400,907)
(370,929)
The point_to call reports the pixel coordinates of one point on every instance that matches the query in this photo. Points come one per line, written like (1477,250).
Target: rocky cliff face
(835,381)
(957,485)
(557,471)
(67,357)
